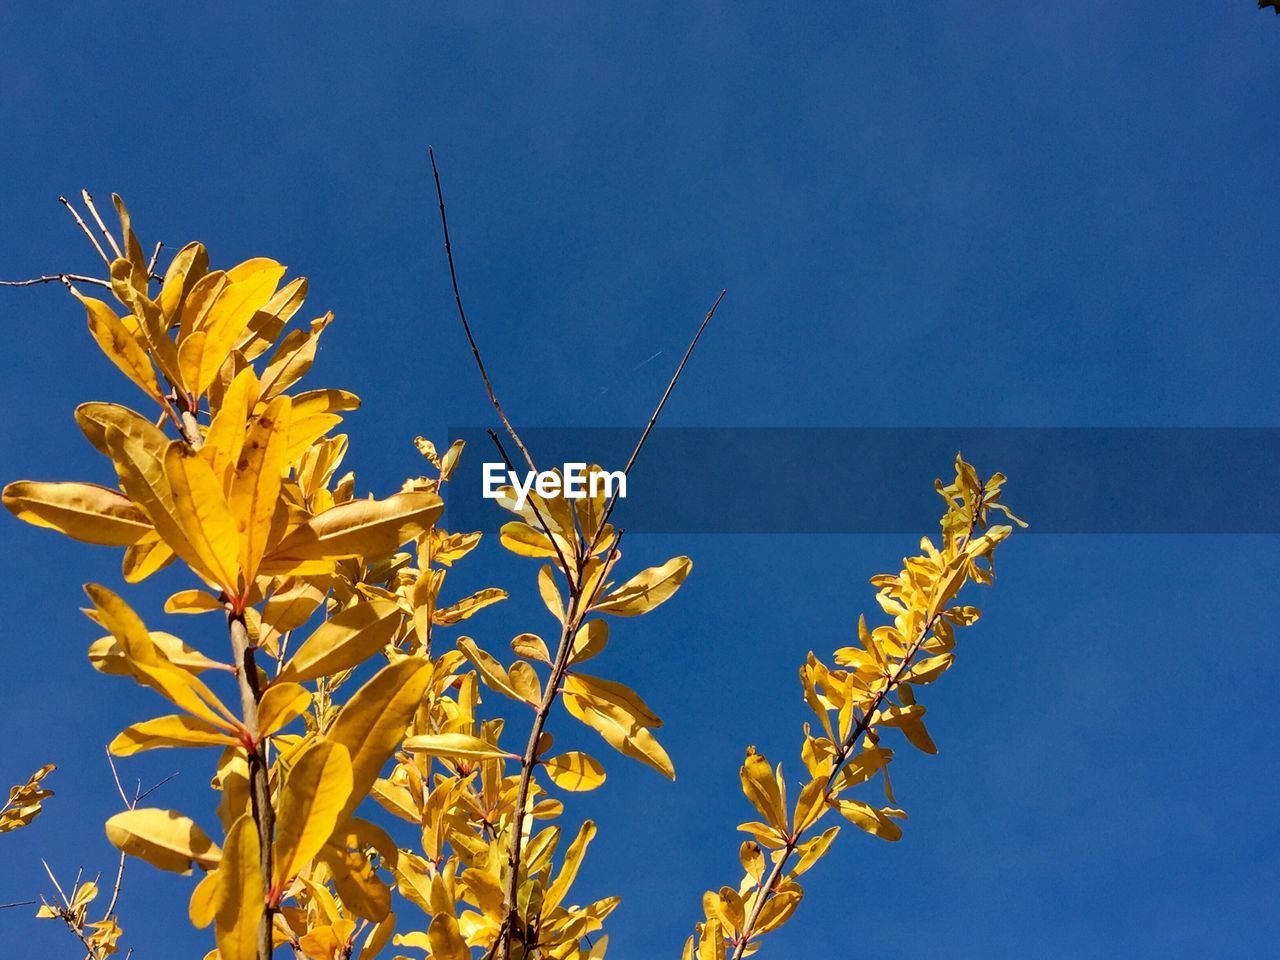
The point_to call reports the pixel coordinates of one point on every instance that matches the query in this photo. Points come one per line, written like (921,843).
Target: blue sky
(925,214)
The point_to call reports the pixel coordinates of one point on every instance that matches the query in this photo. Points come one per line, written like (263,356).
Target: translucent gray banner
(880,479)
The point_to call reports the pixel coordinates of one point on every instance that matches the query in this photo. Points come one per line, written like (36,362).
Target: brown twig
(56,278)
(88,202)
(85,227)
(466,326)
(579,607)
(653,419)
(575,574)
(259,784)
(155,257)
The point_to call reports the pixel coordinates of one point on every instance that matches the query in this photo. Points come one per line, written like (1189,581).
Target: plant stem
(259,783)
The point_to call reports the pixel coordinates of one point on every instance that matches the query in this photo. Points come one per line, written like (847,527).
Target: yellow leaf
(315,791)
(195,305)
(647,589)
(269,322)
(491,671)
(229,316)
(150,666)
(142,475)
(531,646)
(368,528)
(446,939)
(575,771)
(281,704)
(874,821)
(187,266)
(175,730)
(378,938)
(456,746)
(83,511)
(201,906)
(95,418)
(193,601)
(620,731)
(240,898)
(592,637)
(469,606)
(151,322)
(525,541)
(813,850)
(569,872)
(108,656)
(256,479)
(761,787)
(202,512)
(225,437)
(618,695)
(26,800)
(163,838)
(121,347)
(344,641)
(373,721)
(524,680)
(550,593)
(291,605)
(929,670)
(293,358)
(144,558)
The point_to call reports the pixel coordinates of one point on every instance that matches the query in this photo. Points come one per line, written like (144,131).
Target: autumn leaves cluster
(325,674)
(869,690)
(316,588)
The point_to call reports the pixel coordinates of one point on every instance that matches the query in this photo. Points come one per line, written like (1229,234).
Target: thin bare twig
(115,774)
(85,227)
(56,278)
(653,419)
(88,202)
(153,788)
(575,575)
(18,903)
(462,314)
(155,257)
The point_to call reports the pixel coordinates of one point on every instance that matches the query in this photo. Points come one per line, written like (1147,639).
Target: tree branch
(56,278)
(843,753)
(466,326)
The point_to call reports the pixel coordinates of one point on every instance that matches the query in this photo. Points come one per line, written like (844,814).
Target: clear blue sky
(926,214)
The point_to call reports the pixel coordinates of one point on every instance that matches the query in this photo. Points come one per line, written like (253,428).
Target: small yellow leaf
(240,898)
(255,481)
(569,872)
(121,347)
(175,730)
(456,746)
(373,721)
(344,641)
(82,511)
(368,528)
(575,771)
(95,418)
(281,704)
(871,819)
(315,791)
(647,589)
(761,787)
(202,512)
(163,838)
(446,939)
